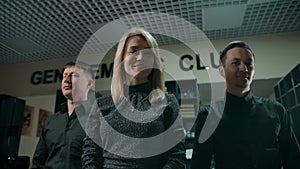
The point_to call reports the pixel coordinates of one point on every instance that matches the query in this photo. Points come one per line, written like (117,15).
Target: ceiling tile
(95,27)
(62,27)
(21,45)
(223,17)
(259,1)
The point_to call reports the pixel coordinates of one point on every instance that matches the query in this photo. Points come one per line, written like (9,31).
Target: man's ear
(91,83)
(221,70)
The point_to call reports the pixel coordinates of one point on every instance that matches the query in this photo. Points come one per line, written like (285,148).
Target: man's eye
(249,64)
(236,63)
(75,75)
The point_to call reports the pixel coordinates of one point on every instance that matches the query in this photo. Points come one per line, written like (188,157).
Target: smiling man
(244,131)
(60,144)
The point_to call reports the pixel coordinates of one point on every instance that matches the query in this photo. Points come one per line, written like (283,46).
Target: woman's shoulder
(172,102)
(104,99)
(105,102)
(171,98)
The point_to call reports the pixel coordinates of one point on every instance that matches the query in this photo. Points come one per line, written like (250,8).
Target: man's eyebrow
(70,73)
(76,73)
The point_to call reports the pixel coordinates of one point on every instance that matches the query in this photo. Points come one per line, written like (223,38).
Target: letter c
(182,65)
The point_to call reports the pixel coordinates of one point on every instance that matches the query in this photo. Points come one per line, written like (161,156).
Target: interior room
(39,37)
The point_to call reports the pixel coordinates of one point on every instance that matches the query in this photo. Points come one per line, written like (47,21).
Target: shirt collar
(64,107)
(140,88)
(248,98)
(81,109)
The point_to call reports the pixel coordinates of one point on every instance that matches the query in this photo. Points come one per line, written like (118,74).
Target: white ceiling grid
(60,28)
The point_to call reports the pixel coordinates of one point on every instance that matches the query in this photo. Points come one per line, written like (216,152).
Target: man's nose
(243,67)
(67,79)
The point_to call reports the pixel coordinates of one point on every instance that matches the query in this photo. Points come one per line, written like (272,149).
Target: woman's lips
(139,67)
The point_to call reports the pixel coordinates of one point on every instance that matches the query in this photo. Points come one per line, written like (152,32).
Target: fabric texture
(60,144)
(118,136)
(251,132)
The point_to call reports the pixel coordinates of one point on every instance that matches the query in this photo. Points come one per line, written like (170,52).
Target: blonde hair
(155,78)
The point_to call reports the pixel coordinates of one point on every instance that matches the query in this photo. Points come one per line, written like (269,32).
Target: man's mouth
(244,76)
(67,87)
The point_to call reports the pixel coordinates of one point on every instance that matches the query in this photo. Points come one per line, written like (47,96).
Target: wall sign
(105,70)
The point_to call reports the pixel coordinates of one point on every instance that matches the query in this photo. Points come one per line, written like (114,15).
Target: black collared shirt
(244,133)
(60,144)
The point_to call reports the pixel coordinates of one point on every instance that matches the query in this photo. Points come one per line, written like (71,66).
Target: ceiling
(34,30)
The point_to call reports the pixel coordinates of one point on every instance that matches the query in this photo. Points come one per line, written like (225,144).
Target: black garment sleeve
(92,155)
(289,147)
(41,152)
(176,156)
(202,152)
(92,152)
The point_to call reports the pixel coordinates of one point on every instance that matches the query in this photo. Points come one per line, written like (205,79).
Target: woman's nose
(139,55)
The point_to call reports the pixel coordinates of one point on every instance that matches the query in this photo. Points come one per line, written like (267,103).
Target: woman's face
(138,60)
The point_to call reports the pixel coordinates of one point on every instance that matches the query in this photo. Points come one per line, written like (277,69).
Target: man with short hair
(243,131)
(60,144)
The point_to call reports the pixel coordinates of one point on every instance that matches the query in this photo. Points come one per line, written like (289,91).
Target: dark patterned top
(135,134)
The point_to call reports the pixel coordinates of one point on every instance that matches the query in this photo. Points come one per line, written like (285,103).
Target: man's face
(75,84)
(238,69)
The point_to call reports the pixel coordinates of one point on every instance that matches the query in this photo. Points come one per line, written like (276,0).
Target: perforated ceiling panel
(59,28)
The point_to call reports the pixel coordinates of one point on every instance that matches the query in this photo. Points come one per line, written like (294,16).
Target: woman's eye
(144,52)
(148,53)
(132,51)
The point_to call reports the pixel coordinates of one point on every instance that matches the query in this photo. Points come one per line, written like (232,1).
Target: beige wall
(28,143)
(275,56)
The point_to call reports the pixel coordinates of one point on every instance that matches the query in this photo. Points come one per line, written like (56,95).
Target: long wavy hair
(155,78)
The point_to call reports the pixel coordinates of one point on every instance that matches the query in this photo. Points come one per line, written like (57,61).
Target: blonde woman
(138,126)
